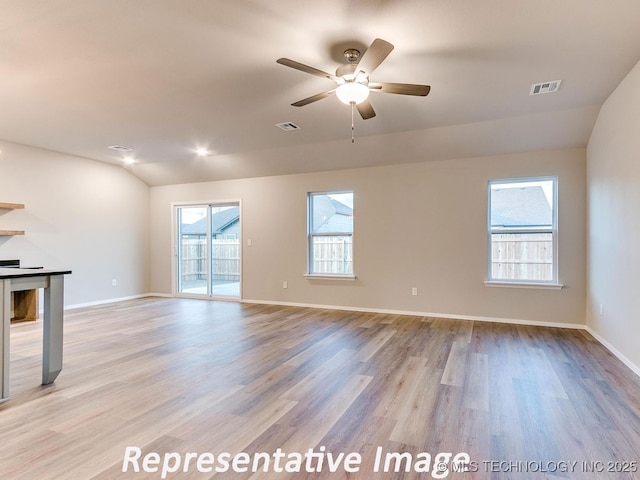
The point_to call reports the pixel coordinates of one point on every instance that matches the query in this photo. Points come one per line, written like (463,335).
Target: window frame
(553,283)
(310,236)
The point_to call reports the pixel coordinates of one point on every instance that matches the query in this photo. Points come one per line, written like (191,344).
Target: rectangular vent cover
(546,87)
(287,126)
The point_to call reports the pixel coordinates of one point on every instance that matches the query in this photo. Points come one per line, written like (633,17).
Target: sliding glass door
(208,253)
(225,249)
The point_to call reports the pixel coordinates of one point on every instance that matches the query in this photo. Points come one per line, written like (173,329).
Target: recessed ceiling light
(120,148)
(129,160)
(202,152)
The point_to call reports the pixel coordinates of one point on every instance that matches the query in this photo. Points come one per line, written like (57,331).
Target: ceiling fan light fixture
(352,92)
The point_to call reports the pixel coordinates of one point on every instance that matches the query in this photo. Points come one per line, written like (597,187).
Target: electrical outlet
(114,283)
(414,291)
(285,285)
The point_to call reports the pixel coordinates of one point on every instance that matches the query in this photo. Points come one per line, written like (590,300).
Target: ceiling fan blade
(374,56)
(402,88)
(313,98)
(305,68)
(366,110)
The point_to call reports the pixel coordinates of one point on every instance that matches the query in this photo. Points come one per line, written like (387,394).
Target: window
(330,233)
(523,230)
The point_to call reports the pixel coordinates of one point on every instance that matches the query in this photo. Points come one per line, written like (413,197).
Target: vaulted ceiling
(165,77)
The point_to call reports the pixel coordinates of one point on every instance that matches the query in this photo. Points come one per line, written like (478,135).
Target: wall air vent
(120,148)
(546,87)
(288,126)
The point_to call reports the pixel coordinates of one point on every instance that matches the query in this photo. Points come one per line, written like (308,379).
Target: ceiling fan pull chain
(353,107)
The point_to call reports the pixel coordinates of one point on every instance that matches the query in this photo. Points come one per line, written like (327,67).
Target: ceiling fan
(352,79)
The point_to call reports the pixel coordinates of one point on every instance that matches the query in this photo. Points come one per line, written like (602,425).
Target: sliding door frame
(175,246)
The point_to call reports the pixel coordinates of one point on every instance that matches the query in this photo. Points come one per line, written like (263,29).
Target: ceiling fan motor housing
(347,69)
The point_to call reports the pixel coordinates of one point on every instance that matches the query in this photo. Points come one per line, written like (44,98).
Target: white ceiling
(167,76)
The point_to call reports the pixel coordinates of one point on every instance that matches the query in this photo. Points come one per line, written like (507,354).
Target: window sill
(327,276)
(541,286)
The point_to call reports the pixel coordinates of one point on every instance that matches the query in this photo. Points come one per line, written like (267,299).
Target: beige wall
(613,302)
(79,214)
(433,213)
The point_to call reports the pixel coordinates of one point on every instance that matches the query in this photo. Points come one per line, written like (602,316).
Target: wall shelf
(11,206)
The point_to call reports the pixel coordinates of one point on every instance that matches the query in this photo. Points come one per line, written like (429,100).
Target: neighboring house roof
(330,215)
(522,207)
(220,221)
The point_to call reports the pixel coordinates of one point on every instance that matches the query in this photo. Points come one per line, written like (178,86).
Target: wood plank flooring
(179,375)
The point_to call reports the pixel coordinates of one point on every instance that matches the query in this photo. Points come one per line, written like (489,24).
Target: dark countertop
(29,272)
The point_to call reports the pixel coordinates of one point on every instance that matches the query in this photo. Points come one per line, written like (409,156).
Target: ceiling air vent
(288,126)
(546,87)
(120,148)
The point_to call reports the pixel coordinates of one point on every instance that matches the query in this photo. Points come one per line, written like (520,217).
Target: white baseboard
(161,295)
(104,302)
(422,314)
(634,368)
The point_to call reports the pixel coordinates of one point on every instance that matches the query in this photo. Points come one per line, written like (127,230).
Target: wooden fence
(513,256)
(225,254)
(333,255)
(527,256)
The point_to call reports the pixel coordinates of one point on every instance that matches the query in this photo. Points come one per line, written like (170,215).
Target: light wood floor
(177,375)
